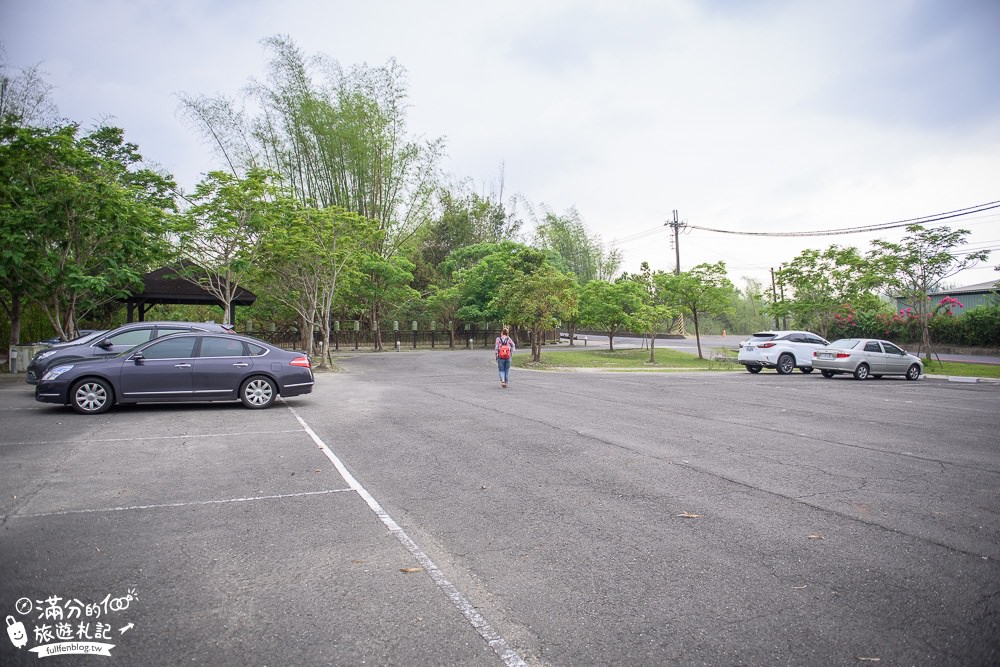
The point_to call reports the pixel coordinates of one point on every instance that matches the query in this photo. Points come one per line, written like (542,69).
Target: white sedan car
(866,357)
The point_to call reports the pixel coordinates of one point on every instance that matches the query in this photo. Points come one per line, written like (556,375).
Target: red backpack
(503,352)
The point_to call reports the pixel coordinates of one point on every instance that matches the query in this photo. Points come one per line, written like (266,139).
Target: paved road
(710,344)
(575,518)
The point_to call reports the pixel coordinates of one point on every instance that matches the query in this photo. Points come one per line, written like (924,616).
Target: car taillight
(764,345)
(300,361)
(843,355)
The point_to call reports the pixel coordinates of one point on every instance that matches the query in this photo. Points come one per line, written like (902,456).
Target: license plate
(825,355)
(749,348)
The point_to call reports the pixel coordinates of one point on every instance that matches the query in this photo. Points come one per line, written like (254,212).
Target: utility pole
(774,298)
(676,226)
(781,288)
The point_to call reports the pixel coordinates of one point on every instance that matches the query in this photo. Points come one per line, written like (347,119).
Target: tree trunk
(376,312)
(308,330)
(697,336)
(14,314)
(324,328)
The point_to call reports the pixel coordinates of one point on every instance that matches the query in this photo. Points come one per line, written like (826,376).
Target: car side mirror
(138,358)
(105,345)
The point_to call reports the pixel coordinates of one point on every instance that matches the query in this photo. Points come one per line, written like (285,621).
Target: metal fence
(394,339)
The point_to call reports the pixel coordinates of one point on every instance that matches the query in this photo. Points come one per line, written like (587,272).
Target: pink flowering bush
(975,327)
(850,321)
(948,304)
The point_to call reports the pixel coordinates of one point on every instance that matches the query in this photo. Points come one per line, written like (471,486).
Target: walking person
(504,350)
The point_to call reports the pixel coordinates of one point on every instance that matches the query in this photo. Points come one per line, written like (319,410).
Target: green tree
(465,219)
(705,289)
(337,137)
(611,307)
(919,263)
(81,217)
(655,316)
(386,283)
(443,304)
(571,316)
(822,282)
(462,283)
(581,253)
(25,101)
(222,235)
(304,263)
(483,269)
(536,299)
(750,315)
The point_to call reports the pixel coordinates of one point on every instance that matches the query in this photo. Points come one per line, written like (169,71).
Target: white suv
(781,350)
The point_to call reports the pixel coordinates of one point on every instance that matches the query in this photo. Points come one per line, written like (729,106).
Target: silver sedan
(866,357)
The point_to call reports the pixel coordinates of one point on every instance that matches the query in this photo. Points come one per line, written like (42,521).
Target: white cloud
(777,115)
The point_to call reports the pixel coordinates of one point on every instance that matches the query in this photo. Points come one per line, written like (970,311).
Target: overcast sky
(777,115)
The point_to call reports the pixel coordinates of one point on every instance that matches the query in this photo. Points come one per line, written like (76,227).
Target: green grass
(629,359)
(962,369)
(666,360)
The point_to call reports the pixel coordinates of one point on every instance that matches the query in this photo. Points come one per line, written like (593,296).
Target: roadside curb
(967,380)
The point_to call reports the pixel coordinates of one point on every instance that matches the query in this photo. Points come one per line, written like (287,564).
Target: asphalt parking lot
(411,512)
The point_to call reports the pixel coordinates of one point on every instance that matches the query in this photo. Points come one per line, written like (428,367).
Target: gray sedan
(866,357)
(193,366)
(110,343)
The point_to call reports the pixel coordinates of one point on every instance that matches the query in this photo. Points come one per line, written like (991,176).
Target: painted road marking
(193,503)
(485,630)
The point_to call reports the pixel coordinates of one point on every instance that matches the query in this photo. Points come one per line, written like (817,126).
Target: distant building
(971,296)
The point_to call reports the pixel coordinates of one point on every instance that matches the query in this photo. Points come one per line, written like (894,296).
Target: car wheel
(91,396)
(861,372)
(786,364)
(258,392)
(754,369)
(828,374)
(913,372)
(806,369)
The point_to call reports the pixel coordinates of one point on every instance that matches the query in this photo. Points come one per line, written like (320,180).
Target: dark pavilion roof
(166,286)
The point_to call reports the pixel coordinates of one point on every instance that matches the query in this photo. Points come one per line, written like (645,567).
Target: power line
(969,251)
(655,231)
(638,235)
(867,228)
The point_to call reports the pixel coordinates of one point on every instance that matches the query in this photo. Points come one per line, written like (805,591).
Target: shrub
(978,327)
(981,326)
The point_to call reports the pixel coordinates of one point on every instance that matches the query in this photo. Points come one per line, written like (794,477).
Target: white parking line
(171,505)
(485,630)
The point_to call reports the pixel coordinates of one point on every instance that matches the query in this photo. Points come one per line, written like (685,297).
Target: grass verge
(628,359)
(962,369)
(673,360)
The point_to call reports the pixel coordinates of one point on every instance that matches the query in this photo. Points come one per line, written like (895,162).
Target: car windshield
(79,340)
(845,343)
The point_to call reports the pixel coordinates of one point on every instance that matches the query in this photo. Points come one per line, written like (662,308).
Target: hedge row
(977,327)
